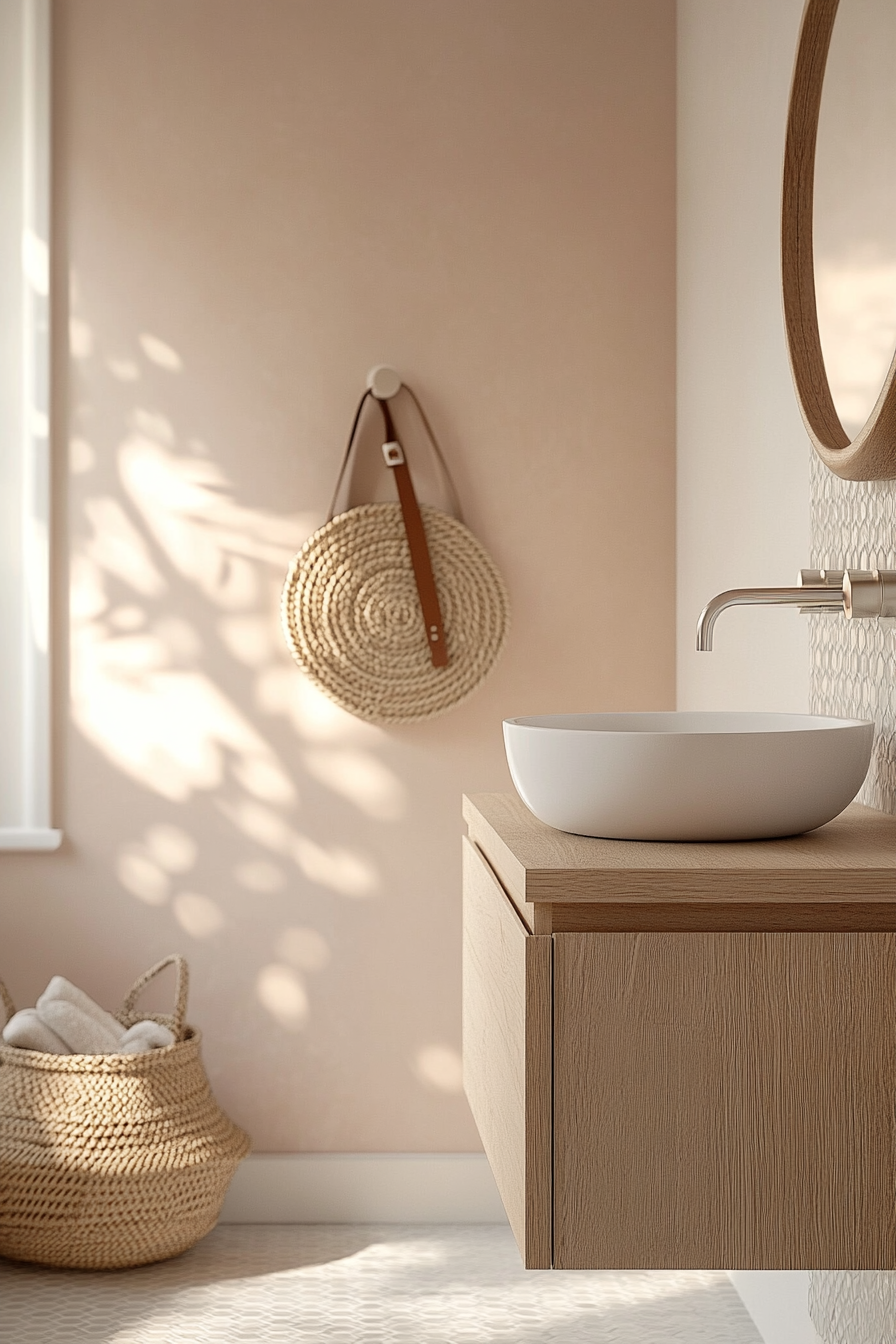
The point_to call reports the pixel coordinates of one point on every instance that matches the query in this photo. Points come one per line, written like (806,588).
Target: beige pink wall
(254,203)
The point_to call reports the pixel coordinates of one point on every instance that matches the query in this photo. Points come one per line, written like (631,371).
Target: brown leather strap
(417,543)
(413,521)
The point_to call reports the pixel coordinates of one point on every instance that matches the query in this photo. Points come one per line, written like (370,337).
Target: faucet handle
(823,578)
(832,578)
(869,594)
(861,593)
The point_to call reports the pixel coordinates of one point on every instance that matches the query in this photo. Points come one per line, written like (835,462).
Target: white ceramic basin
(687,776)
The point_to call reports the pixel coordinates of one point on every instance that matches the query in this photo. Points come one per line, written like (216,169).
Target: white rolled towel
(83,1034)
(146,1035)
(26,1030)
(63,990)
(67,1021)
(86,1028)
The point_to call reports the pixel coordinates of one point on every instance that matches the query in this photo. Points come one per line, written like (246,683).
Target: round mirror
(839,234)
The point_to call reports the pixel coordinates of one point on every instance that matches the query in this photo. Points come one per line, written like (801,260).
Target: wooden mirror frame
(871,455)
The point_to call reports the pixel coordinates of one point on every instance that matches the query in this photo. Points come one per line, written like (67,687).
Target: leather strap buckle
(393,453)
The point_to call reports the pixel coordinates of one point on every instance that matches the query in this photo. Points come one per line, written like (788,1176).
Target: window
(24,426)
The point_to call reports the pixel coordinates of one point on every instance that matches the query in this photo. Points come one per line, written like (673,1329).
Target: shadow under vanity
(684,1055)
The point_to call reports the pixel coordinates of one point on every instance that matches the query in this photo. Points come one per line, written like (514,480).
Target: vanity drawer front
(724,1100)
(507,1052)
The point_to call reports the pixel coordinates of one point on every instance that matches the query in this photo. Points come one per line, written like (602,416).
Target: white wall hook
(383,382)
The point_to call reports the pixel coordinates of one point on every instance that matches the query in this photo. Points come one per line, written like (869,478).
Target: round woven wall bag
(393,610)
(108,1161)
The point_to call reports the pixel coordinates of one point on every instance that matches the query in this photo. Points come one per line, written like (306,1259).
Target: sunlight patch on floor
(366,1285)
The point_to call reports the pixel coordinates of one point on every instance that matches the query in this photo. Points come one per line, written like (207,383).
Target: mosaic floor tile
(365,1285)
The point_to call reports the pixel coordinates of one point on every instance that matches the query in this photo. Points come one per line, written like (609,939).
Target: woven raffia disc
(352,619)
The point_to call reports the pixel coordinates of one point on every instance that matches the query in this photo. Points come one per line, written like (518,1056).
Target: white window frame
(25,751)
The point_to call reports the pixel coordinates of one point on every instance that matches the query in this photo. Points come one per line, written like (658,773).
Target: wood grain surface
(507,1050)
(724,1101)
(851,860)
(684,916)
(871,455)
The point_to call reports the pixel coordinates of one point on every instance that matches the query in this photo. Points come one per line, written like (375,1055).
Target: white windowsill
(22,838)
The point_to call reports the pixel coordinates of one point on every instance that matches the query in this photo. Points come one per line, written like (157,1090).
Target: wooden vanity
(684,1055)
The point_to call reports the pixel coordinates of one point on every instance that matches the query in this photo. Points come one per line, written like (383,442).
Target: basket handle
(174,1020)
(6,999)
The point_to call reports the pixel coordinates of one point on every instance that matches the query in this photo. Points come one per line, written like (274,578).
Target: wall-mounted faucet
(858,593)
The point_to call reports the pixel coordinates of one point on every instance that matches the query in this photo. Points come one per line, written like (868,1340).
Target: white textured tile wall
(853,673)
(853,663)
(853,1308)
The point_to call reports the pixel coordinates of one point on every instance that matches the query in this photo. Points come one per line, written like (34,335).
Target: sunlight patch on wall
(127,619)
(81,456)
(261,876)
(285,690)
(248,639)
(341,870)
(122,369)
(264,779)
(303,948)
(87,592)
(198,915)
(336,868)
(440,1067)
(172,848)
(142,876)
(174,621)
(359,778)
(170,730)
(80,339)
(281,992)
(159,352)
(180,640)
(144,868)
(117,547)
(259,823)
(208,538)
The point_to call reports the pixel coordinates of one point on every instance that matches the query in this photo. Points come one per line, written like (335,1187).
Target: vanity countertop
(841,876)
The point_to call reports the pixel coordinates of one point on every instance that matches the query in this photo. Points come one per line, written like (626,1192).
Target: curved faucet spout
(811,595)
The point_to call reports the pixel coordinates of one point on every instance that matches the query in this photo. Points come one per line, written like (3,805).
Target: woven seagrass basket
(108,1161)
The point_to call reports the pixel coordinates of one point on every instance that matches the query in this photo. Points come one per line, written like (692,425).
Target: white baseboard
(363,1188)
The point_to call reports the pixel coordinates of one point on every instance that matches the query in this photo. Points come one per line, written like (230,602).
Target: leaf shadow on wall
(256,809)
